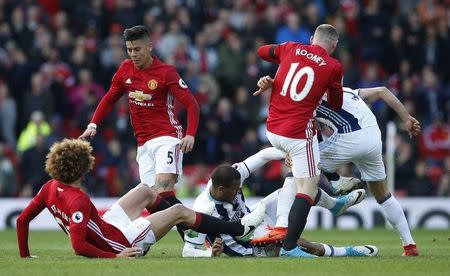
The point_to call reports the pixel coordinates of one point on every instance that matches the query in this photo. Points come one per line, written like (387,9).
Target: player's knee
(378,189)
(146,191)
(179,211)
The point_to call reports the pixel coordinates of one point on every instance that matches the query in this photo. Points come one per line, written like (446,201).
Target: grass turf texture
(55,257)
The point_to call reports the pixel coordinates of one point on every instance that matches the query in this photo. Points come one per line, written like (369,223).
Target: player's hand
(412,126)
(130,253)
(187,143)
(288,161)
(264,84)
(88,133)
(217,247)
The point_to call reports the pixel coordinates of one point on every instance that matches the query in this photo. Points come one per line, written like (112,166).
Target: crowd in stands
(57,58)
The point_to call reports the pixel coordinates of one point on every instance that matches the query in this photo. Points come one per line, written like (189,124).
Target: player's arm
(375,93)
(335,93)
(182,93)
(106,104)
(33,209)
(78,235)
(258,160)
(270,53)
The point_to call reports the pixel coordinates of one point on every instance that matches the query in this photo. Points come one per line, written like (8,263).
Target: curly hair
(69,160)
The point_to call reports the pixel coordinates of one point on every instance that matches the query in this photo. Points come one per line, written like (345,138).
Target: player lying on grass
(357,138)
(121,232)
(223,199)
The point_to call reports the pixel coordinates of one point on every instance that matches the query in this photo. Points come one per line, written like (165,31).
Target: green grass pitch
(55,257)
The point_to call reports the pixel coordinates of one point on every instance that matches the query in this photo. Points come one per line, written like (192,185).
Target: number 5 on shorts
(169,157)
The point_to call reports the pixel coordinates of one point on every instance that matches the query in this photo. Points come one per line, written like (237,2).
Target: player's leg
(335,151)
(164,220)
(373,171)
(394,214)
(326,250)
(136,200)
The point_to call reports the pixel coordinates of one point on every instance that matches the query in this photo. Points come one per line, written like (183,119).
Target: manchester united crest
(152,84)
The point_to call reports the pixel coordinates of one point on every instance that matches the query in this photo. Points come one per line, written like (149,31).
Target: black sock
(171,198)
(297,220)
(211,225)
(331,176)
(159,205)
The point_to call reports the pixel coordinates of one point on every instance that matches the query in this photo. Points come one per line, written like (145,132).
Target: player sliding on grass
(357,139)
(121,232)
(223,199)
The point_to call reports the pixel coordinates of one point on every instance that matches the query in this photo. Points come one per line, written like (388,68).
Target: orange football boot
(275,235)
(410,250)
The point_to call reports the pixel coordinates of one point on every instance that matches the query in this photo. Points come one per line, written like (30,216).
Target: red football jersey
(304,74)
(151,93)
(72,209)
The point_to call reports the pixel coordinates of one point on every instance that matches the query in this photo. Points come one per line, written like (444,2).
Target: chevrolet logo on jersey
(139,96)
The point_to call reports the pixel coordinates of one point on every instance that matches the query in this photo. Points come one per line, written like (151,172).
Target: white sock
(333,251)
(339,251)
(328,250)
(394,214)
(325,200)
(285,199)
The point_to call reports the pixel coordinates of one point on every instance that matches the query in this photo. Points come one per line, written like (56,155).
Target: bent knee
(180,210)
(145,190)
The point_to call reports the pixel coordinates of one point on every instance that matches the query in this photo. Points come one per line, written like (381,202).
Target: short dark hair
(224,175)
(136,33)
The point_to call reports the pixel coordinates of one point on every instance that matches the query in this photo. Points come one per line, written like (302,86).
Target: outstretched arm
(23,221)
(182,93)
(411,123)
(105,106)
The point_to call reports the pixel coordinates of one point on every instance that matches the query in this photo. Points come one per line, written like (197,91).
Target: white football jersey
(353,116)
(224,211)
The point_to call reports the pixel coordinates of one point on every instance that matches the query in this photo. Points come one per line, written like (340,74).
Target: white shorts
(362,147)
(304,153)
(138,232)
(159,155)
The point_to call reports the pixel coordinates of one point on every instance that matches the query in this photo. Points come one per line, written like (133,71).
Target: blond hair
(69,160)
(326,33)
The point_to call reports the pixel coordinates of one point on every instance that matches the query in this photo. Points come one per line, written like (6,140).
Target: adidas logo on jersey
(128,81)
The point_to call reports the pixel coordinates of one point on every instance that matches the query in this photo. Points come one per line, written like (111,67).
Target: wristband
(92,125)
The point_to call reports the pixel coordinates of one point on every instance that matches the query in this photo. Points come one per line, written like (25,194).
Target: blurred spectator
(85,86)
(36,127)
(435,141)
(8,180)
(293,30)
(431,97)
(38,98)
(8,116)
(404,165)
(169,41)
(33,160)
(421,184)
(201,54)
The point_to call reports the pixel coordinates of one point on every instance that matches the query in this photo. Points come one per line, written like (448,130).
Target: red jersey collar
(320,49)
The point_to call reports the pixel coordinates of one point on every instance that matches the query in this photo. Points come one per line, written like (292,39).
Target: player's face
(228,194)
(139,52)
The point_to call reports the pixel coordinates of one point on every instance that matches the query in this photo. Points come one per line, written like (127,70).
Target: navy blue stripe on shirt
(343,120)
